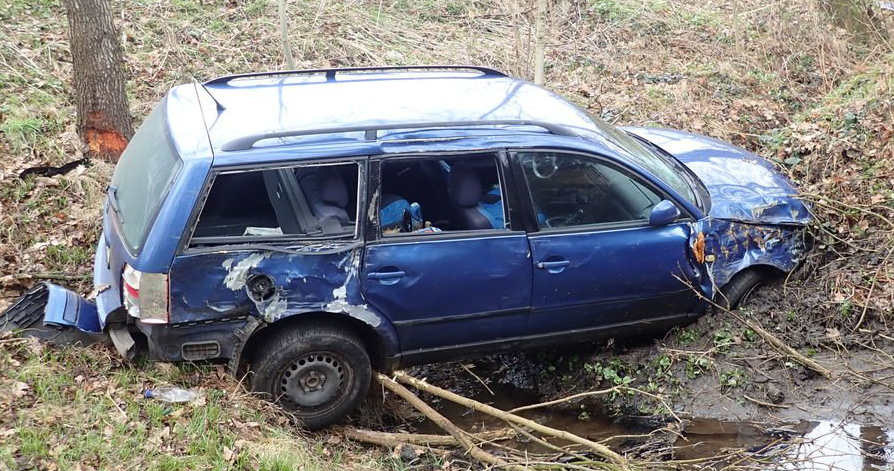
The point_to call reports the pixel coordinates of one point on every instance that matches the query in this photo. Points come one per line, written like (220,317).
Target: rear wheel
(319,372)
(26,316)
(738,289)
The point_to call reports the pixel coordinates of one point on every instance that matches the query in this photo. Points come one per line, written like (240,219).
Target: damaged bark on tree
(104,121)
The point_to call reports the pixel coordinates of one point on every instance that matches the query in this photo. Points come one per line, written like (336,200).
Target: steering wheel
(550,166)
(565,220)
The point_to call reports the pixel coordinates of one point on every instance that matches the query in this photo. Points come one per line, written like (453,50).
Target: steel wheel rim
(315,380)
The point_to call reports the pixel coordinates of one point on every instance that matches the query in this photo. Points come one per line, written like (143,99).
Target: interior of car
(305,200)
(567,190)
(441,194)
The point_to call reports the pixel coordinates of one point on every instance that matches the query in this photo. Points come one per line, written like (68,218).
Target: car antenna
(220,107)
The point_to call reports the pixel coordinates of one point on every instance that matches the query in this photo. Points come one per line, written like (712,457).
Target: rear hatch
(143,177)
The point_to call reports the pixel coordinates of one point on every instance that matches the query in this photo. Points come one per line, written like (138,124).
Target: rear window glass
(305,201)
(142,177)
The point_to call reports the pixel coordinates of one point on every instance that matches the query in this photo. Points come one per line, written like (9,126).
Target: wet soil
(729,387)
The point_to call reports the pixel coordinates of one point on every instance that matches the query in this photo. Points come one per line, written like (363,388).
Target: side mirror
(663,213)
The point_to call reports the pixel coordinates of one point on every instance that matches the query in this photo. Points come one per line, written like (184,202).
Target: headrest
(334,191)
(464,187)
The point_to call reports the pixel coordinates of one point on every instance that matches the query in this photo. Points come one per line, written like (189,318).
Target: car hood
(743,186)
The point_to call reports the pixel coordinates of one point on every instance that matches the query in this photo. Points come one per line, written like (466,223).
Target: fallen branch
(392,440)
(597,448)
(445,424)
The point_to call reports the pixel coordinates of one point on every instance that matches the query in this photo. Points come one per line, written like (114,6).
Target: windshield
(142,177)
(666,168)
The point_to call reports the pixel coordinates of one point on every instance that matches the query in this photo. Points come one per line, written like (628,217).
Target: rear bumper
(66,308)
(215,341)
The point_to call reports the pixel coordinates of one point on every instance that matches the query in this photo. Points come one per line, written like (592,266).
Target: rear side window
(569,190)
(142,178)
(433,195)
(301,201)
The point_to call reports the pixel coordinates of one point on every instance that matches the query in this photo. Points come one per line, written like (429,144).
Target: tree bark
(104,121)
(539,26)
(284,32)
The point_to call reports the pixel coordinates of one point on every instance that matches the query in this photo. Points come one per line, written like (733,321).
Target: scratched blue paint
(489,286)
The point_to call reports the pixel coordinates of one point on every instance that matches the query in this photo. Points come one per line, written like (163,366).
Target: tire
(296,368)
(25,316)
(739,288)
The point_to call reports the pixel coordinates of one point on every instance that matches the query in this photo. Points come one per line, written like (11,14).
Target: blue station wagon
(310,226)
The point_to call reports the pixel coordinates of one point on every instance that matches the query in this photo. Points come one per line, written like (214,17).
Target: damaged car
(308,227)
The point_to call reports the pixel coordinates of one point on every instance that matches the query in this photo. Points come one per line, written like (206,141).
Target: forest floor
(776,77)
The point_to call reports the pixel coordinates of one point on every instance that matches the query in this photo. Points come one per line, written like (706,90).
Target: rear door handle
(553,265)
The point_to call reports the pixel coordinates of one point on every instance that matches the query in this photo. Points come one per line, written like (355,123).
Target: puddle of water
(821,445)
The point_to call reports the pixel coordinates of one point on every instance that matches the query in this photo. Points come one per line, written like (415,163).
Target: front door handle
(386,277)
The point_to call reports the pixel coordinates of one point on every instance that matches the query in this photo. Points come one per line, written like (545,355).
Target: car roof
(291,108)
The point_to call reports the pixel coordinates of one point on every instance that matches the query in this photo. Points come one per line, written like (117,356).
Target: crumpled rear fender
(66,308)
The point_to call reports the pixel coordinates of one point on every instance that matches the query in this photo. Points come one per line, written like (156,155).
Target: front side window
(570,190)
(302,201)
(443,194)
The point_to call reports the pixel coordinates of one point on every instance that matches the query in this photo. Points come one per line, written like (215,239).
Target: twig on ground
(469,370)
(765,404)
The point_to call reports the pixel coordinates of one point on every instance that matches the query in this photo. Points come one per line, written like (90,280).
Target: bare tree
(284,30)
(104,121)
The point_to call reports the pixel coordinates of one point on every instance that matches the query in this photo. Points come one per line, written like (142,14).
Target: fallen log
(597,448)
(474,450)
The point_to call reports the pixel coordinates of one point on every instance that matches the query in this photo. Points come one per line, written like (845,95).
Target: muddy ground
(715,368)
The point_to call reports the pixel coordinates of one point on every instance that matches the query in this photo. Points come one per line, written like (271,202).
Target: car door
(449,288)
(597,263)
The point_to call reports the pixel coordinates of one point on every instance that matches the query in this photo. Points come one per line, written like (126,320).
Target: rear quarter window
(307,201)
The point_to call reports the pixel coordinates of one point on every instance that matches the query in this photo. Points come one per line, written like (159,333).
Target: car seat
(327,196)
(473,208)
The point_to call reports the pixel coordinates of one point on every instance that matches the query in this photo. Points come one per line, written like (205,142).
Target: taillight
(146,295)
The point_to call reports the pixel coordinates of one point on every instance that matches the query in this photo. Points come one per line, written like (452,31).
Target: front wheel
(318,372)
(740,288)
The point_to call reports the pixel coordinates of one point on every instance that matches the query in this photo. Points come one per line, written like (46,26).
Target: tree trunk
(539,22)
(284,32)
(104,121)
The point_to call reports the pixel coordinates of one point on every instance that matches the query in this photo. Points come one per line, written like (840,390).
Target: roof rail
(330,73)
(372,131)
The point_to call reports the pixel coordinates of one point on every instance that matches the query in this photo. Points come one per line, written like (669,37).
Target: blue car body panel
(611,277)
(432,293)
(67,308)
(207,287)
(490,295)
